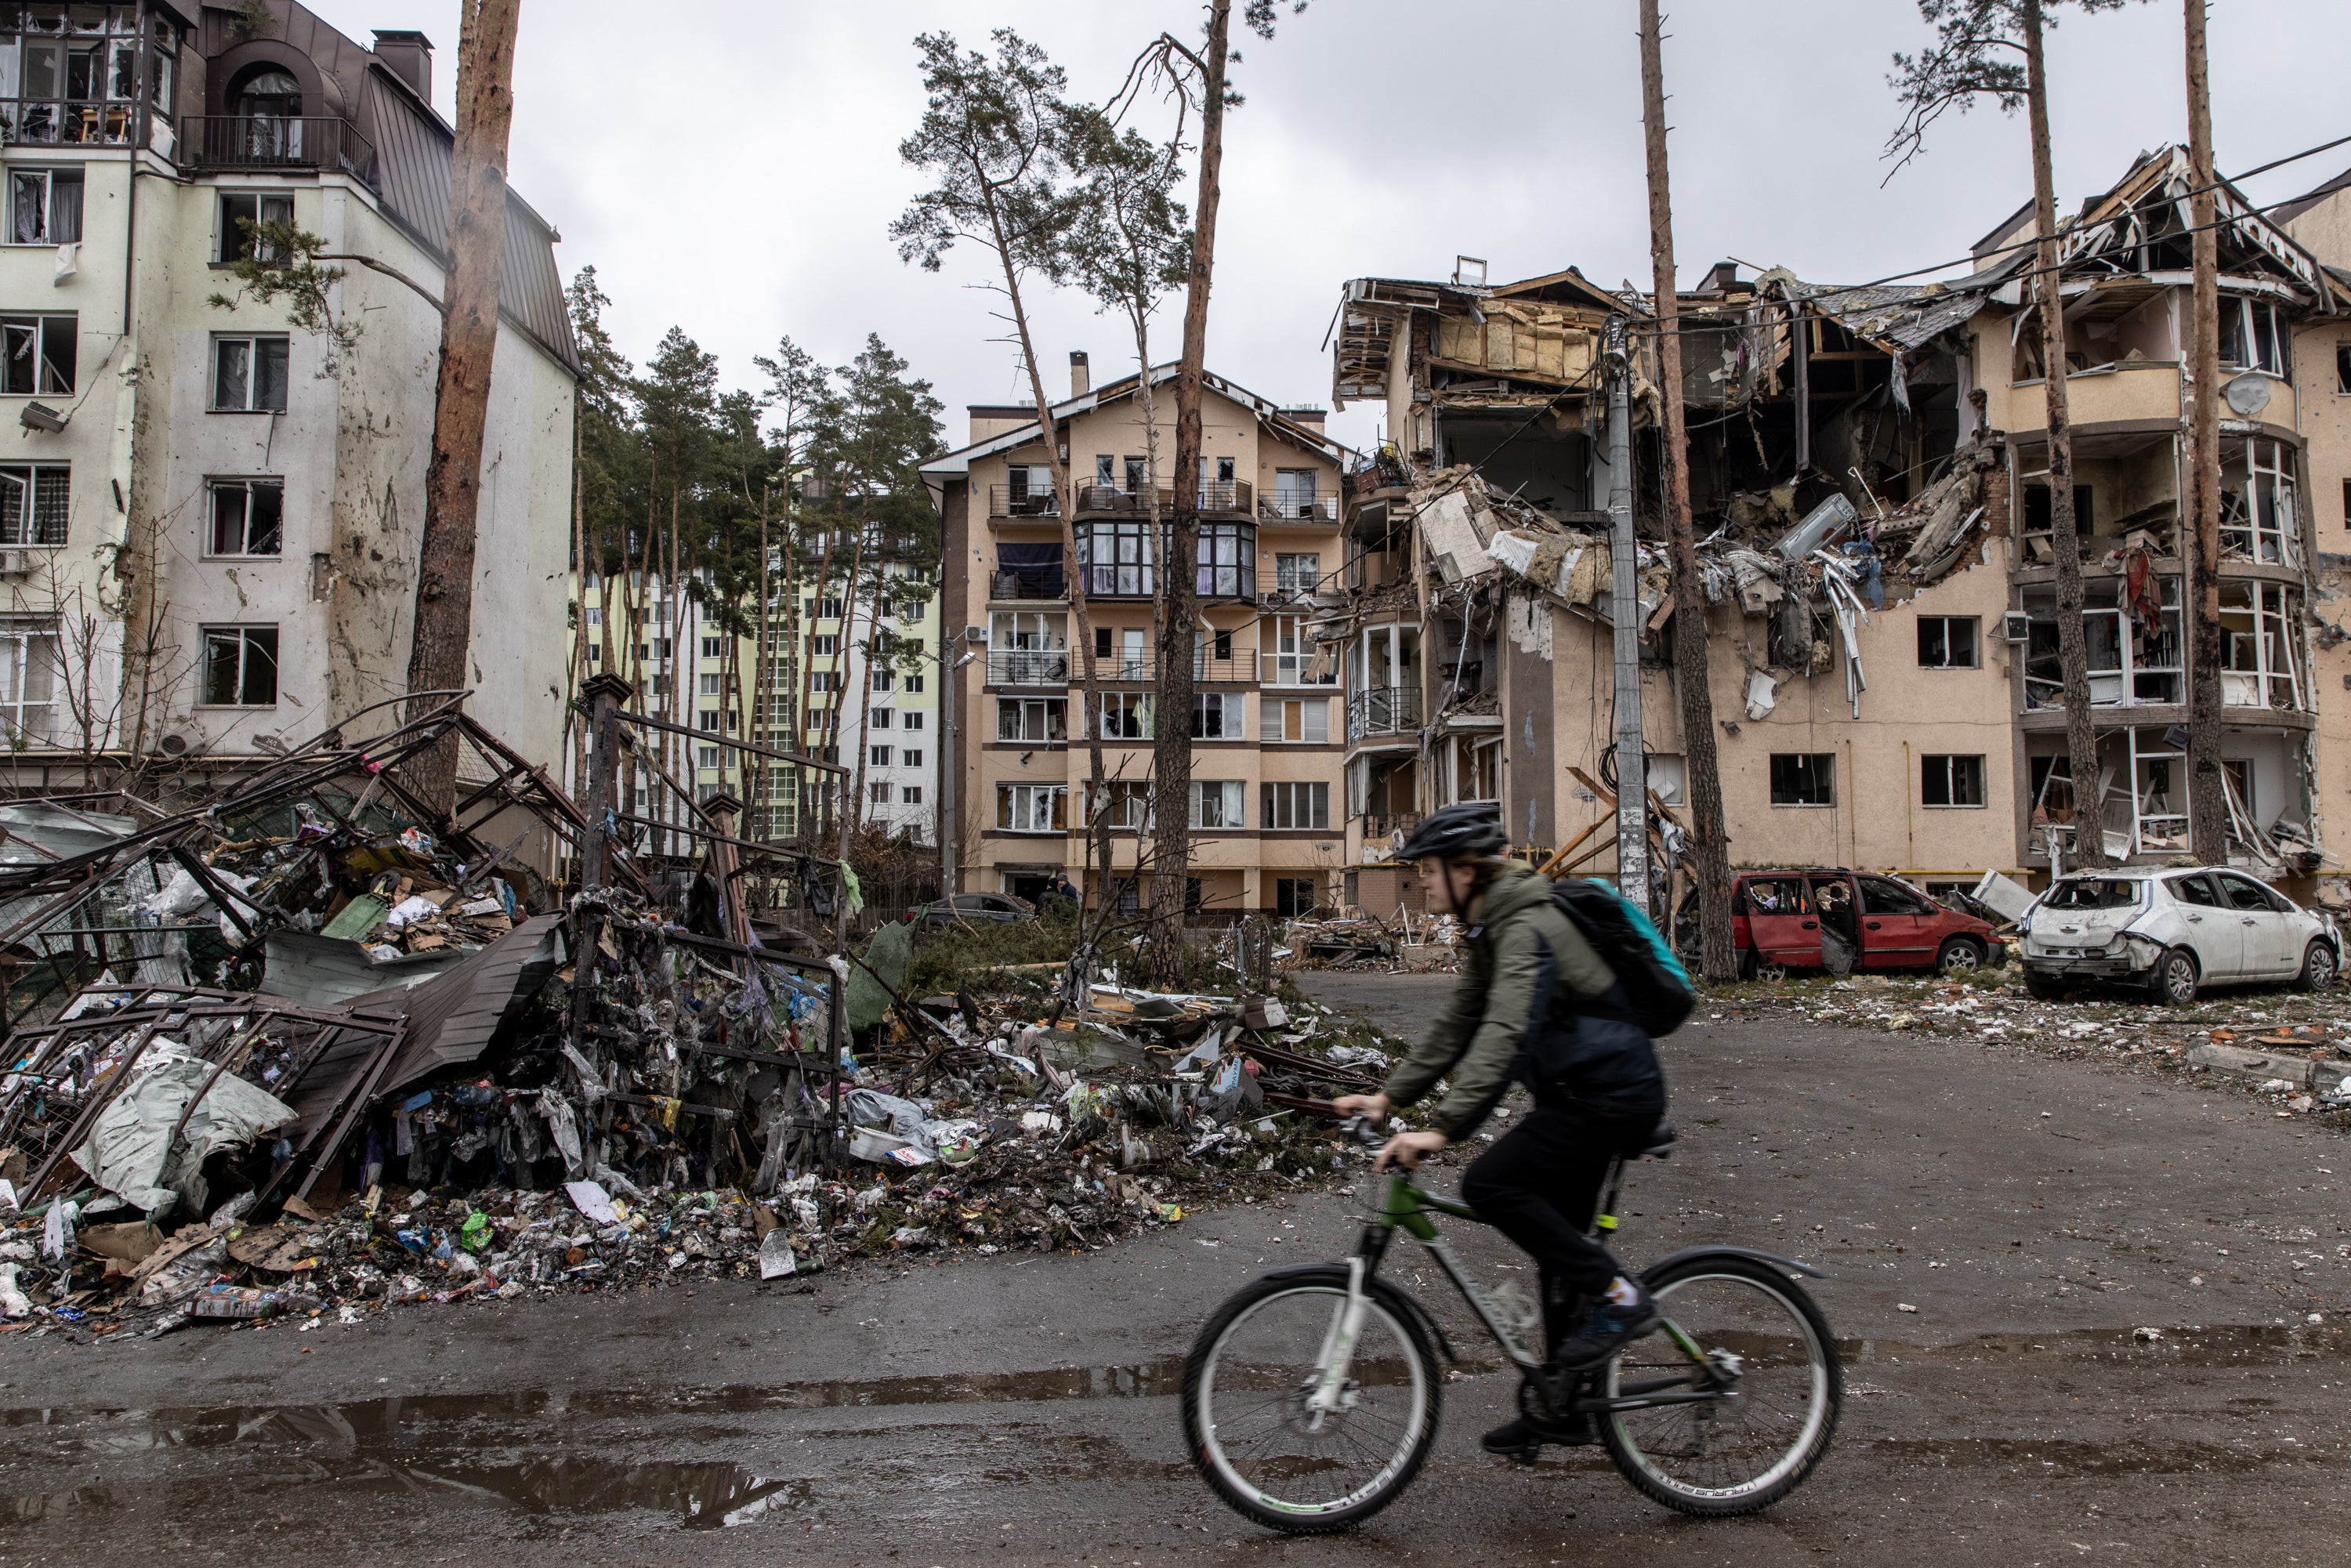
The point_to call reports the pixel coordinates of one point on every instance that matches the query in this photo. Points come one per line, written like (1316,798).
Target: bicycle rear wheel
(1774,1364)
(1246,1417)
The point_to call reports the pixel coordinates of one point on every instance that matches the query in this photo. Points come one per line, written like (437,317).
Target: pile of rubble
(961,1127)
(2292,1048)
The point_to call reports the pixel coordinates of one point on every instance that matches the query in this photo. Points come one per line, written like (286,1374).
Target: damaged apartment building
(1264,725)
(243,493)
(1868,480)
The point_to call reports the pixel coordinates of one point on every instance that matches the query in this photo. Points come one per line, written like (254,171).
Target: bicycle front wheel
(1251,1428)
(1768,1368)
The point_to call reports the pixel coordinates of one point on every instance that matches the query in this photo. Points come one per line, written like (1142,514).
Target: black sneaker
(1523,1439)
(1609,1329)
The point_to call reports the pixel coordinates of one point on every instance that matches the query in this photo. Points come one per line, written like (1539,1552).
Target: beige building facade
(1886,698)
(1267,731)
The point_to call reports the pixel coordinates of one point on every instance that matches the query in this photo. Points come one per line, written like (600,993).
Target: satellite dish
(2248,394)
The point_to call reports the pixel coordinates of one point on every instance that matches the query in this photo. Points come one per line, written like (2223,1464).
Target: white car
(2170,931)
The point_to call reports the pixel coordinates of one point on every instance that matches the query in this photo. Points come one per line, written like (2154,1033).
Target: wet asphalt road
(1003,1410)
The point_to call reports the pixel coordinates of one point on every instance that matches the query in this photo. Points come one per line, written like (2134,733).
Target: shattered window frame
(250,373)
(1031,807)
(1220,716)
(1951,781)
(35,504)
(240,664)
(1032,721)
(247,521)
(1936,641)
(39,353)
(236,209)
(32,670)
(1804,779)
(40,212)
(1228,814)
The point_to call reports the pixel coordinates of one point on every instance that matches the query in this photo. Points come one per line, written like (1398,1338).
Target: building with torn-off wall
(244,495)
(1868,477)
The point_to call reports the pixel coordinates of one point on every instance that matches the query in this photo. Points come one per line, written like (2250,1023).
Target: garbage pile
(1405,942)
(686,1137)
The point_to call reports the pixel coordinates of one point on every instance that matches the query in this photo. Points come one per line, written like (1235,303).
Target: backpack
(1657,988)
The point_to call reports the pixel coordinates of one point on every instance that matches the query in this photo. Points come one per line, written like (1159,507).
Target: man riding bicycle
(1536,1006)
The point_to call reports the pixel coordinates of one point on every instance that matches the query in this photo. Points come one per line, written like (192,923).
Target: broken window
(1027,647)
(1803,779)
(2250,338)
(249,374)
(1297,573)
(28,682)
(1308,721)
(1296,804)
(1029,492)
(242,216)
(37,353)
(1294,897)
(2259,664)
(1950,781)
(2131,637)
(1219,716)
(1126,716)
(2342,366)
(1217,803)
(1032,719)
(1295,498)
(248,517)
(34,503)
(1031,807)
(1947,642)
(2257,517)
(2093,892)
(1129,803)
(240,667)
(45,206)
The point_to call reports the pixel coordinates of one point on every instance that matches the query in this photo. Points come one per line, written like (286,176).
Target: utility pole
(1709,840)
(2199,530)
(1625,558)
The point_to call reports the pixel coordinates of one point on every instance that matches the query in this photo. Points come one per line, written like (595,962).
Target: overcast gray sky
(732,168)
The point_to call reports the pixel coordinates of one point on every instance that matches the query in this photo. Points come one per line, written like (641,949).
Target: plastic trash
(14,1302)
(777,1259)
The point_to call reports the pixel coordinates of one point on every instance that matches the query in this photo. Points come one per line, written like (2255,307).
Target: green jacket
(1519,962)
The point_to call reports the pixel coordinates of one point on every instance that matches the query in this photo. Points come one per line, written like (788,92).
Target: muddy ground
(2035,1210)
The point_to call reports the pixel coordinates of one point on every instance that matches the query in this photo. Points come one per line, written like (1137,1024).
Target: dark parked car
(1777,917)
(974,908)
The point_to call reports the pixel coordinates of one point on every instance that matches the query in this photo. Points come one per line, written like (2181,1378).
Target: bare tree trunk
(1171,702)
(441,651)
(755,709)
(1709,840)
(2073,647)
(844,818)
(807,645)
(2199,527)
(575,675)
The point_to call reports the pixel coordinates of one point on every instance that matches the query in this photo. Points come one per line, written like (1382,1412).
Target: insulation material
(1762,695)
(1456,543)
(1521,338)
(133,1150)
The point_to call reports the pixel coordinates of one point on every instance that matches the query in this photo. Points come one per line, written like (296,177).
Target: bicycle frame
(1407,1207)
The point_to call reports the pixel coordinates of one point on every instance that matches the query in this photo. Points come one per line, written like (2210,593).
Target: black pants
(1539,1186)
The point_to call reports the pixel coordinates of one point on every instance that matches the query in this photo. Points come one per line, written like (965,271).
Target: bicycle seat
(1661,1143)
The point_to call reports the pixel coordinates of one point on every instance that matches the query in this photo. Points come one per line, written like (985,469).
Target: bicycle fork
(1338,1353)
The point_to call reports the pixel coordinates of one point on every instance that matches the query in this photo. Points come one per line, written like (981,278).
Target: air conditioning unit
(2016,626)
(16,562)
(974,633)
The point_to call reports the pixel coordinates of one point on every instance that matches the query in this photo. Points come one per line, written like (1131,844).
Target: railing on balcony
(1218,498)
(1289,507)
(1383,710)
(1029,667)
(1022,501)
(1241,667)
(1042,582)
(275,141)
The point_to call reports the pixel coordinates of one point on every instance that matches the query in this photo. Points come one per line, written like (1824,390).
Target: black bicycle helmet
(1462,831)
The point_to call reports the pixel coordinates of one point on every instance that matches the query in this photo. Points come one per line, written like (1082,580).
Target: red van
(1777,915)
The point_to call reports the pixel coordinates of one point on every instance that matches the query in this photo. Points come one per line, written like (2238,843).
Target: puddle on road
(2241,1344)
(459,1445)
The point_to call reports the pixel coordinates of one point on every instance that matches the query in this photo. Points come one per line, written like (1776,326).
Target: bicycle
(1311,1397)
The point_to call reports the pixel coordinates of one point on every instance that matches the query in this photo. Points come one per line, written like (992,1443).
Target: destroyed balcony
(1022,501)
(2134,391)
(212,143)
(1029,667)
(1383,710)
(1285,506)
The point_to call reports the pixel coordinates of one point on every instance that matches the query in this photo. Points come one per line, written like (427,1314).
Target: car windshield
(2093,892)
